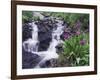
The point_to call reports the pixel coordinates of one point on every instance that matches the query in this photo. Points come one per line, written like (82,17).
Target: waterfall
(51,52)
(31,45)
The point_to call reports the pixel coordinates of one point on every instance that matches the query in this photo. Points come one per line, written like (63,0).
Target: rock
(44,44)
(45,34)
(29,60)
(38,14)
(59,48)
(26,31)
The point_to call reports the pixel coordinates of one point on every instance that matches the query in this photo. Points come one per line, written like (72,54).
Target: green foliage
(26,16)
(77,53)
(70,18)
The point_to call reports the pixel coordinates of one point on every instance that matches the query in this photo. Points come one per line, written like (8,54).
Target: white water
(51,51)
(32,44)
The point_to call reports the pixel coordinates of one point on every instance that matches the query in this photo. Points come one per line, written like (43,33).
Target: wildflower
(82,42)
(66,36)
(78,24)
(78,33)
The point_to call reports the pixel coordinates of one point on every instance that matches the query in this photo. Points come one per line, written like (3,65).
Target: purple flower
(82,42)
(78,24)
(66,36)
(78,33)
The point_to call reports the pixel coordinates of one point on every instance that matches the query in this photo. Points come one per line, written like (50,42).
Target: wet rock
(29,60)
(49,63)
(26,31)
(45,34)
(44,44)
(59,48)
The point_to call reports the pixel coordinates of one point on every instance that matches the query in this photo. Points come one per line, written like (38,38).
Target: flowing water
(31,45)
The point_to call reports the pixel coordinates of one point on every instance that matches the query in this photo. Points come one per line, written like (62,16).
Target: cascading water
(31,45)
(51,52)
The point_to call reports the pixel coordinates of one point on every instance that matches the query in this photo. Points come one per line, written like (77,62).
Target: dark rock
(49,63)
(29,60)
(45,34)
(26,31)
(45,25)
(59,48)
(44,44)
